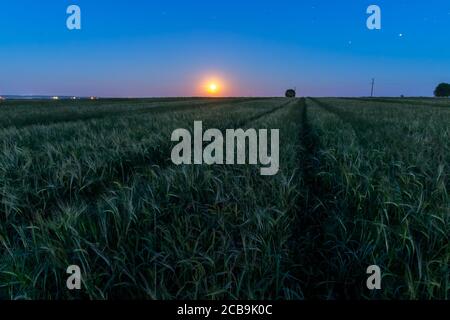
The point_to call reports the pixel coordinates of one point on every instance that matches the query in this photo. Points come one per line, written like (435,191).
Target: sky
(140,48)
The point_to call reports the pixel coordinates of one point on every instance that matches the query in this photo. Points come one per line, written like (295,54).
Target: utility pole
(373,84)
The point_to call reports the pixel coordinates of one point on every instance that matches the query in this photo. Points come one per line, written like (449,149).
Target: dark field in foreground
(91,183)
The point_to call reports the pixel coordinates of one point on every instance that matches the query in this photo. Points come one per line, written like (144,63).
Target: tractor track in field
(358,124)
(257,117)
(311,245)
(124,169)
(308,242)
(346,116)
(157,109)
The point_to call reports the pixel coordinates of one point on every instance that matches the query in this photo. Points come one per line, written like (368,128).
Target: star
(400,35)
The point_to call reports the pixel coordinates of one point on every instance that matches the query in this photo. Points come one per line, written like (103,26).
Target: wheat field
(91,183)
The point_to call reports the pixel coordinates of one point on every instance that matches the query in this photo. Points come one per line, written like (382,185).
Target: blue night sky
(170,48)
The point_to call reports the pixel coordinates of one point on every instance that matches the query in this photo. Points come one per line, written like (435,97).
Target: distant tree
(442,90)
(290,93)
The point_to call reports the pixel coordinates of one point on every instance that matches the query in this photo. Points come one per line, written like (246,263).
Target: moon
(213,88)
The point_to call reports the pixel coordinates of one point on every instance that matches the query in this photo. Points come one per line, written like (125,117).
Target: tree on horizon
(442,90)
(290,93)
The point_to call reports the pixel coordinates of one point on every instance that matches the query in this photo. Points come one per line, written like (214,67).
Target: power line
(373,84)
